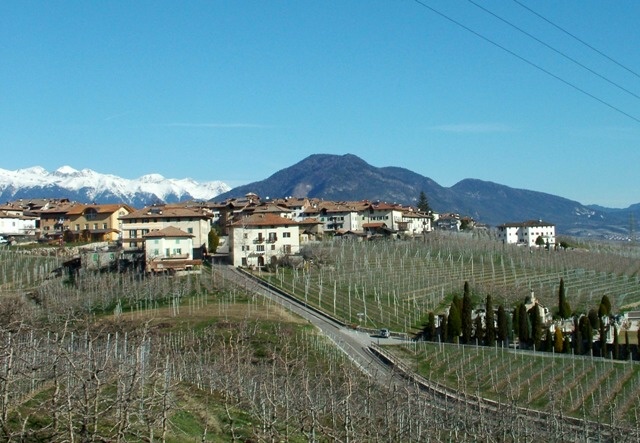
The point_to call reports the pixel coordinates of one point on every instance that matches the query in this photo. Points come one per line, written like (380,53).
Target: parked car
(384,333)
(3,240)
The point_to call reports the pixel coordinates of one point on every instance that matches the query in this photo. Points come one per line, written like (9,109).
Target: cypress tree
(558,341)
(548,341)
(454,324)
(627,348)
(536,326)
(524,328)
(490,322)
(563,307)
(515,321)
(467,325)
(577,338)
(606,305)
(616,344)
(503,327)
(479,330)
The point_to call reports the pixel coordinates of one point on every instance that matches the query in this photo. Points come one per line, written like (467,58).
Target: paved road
(356,345)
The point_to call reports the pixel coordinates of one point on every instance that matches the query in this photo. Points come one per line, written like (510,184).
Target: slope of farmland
(393,284)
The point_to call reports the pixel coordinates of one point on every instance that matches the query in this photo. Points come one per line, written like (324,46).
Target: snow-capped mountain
(91,186)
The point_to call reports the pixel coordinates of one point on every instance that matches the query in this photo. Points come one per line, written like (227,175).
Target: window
(190,230)
(156,252)
(104,226)
(286,235)
(77,227)
(167,252)
(95,226)
(273,247)
(260,248)
(177,251)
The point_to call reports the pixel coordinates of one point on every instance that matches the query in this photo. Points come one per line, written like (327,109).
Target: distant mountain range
(333,177)
(90,186)
(347,177)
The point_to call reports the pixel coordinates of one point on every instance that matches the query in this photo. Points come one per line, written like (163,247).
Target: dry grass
(203,314)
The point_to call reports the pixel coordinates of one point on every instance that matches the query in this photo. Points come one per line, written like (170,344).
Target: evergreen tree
(503,327)
(515,321)
(467,325)
(490,321)
(213,241)
(558,341)
(454,324)
(627,347)
(594,319)
(548,341)
(587,333)
(577,338)
(524,327)
(423,203)
(616,344)
(564,310)
(605,304)
(478,330)
(536,326)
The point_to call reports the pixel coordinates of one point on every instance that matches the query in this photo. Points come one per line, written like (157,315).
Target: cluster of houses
(255,232)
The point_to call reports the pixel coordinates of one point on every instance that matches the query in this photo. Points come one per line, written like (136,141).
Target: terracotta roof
(100,209)
(169,231)
(373,225)
(310,221)
(527,224)
(165,212)
(264,219)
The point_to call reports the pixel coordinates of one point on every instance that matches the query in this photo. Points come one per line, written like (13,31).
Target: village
(252,232)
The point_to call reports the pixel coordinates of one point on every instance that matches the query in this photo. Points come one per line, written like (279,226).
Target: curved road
(358,347)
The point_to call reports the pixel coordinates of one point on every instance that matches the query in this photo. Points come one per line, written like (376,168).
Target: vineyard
(604,391)
(394,284)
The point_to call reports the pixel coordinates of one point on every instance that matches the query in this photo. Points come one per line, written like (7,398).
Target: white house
(526,233)
(169,248)
(14,224)
(194,221)
(259,239)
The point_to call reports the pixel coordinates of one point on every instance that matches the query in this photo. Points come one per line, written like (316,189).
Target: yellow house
(95,222)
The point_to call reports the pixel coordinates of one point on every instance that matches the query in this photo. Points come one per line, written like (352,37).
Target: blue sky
(237,90)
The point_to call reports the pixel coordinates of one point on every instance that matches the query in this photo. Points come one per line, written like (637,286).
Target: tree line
(526,326)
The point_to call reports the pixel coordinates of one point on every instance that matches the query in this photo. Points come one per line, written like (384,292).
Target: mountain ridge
(89,185)
(348,177)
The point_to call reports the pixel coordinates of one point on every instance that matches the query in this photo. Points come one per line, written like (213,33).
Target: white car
(3,240)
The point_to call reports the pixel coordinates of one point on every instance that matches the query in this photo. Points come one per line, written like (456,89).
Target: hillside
(348,177)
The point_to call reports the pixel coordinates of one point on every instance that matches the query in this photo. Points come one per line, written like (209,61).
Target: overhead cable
(578,39)
(529,62)
(555,50)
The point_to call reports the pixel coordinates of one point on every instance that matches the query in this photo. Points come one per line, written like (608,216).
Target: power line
(577,38)
(529,62)
(554,49)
